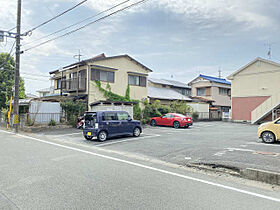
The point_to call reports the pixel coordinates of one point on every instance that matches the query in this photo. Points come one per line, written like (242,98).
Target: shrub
(5,113)
(30,122)
(195,116)
(136,112)
(181,107)
(52,123)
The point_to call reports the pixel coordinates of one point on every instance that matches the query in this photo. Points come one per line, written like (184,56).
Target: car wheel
(153,123)
(88,137)
(268,137)
(102,136)
(136,132)
(176,124)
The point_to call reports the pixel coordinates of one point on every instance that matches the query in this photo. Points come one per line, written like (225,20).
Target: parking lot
(220,143)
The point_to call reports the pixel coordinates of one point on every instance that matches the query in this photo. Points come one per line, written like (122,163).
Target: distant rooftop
(166,93)
(215,79)
(169,82)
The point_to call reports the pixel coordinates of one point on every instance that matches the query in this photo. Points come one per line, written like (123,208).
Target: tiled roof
(215,79)
(166,93)
(173,83)
(102,57)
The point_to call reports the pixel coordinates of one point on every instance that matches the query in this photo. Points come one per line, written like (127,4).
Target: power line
(84,26)
(9,55)
(77,23)
(29,31)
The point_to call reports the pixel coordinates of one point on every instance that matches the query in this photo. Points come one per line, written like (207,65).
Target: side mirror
(129,118)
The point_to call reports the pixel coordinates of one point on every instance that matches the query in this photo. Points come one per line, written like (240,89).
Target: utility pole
(78,71)
(78,56)
(16,98)
(220,73)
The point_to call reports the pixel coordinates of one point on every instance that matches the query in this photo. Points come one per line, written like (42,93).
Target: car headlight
(189,119)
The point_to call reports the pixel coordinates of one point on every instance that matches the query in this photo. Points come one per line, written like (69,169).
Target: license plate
(89,133)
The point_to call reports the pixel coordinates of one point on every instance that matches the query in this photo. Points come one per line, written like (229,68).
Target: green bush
(52,123)
(30,122)
(195,116)
(73,121)
(73,109)
(136,112)
(5,112)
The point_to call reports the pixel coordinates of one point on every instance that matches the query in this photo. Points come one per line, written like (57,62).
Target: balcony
(74,84)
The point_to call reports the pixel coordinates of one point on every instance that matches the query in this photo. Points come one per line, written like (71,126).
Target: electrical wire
(84,26)
(9,55)
(77,23)
(44,23)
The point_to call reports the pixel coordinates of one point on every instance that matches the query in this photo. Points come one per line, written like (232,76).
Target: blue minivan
(105,124)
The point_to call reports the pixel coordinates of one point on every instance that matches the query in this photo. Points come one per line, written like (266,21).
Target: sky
(177,39)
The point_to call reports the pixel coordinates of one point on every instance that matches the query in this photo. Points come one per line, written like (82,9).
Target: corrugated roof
(166,93)
(215,79)
(173,83)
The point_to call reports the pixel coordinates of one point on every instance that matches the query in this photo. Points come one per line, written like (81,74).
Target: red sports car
(172,119)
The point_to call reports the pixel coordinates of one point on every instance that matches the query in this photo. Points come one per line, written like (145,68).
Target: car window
(164,116)
(180,115)
(122,116)
(170,116)
(277,122)
(106,116)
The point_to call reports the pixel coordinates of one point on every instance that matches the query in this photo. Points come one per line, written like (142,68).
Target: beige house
(214,89)
(116,72)
(256,91)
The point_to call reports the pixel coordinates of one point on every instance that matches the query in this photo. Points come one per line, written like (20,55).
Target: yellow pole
(9,113)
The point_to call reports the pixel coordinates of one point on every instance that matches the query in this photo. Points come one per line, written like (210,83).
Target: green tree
(7,65)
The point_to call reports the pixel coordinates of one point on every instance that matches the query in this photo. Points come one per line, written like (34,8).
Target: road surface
(40,174)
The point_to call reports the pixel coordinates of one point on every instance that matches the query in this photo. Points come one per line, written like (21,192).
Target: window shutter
(143,81)
(95,74)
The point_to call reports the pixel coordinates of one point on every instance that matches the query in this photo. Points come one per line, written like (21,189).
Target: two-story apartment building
(79,79)
(256,91)
(214,89)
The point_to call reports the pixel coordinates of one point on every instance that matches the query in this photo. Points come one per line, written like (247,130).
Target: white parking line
(156,169)
(263,144)
(125,140)
(69,134)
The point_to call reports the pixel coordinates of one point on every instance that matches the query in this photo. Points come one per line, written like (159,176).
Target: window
(122,116)
(100,75)
(185,92)
(58,83)
(137,80)
(107,116)
(223,91)
(200,92)
(277,122)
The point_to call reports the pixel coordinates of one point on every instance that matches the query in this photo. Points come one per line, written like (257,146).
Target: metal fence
(43,118)
(207,115)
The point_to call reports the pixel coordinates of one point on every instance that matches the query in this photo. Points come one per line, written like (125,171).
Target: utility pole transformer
(16,98)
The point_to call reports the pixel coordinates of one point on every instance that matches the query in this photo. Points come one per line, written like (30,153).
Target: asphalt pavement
(220,143)
(40,173)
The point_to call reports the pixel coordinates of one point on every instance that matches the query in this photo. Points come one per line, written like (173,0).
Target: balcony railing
(74,84)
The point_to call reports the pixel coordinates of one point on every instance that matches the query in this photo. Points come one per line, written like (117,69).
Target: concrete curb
(261,175)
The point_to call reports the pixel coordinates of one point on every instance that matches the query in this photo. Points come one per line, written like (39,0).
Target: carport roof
(166,93)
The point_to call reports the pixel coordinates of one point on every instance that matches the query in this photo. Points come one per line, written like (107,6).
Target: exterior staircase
(266,108)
